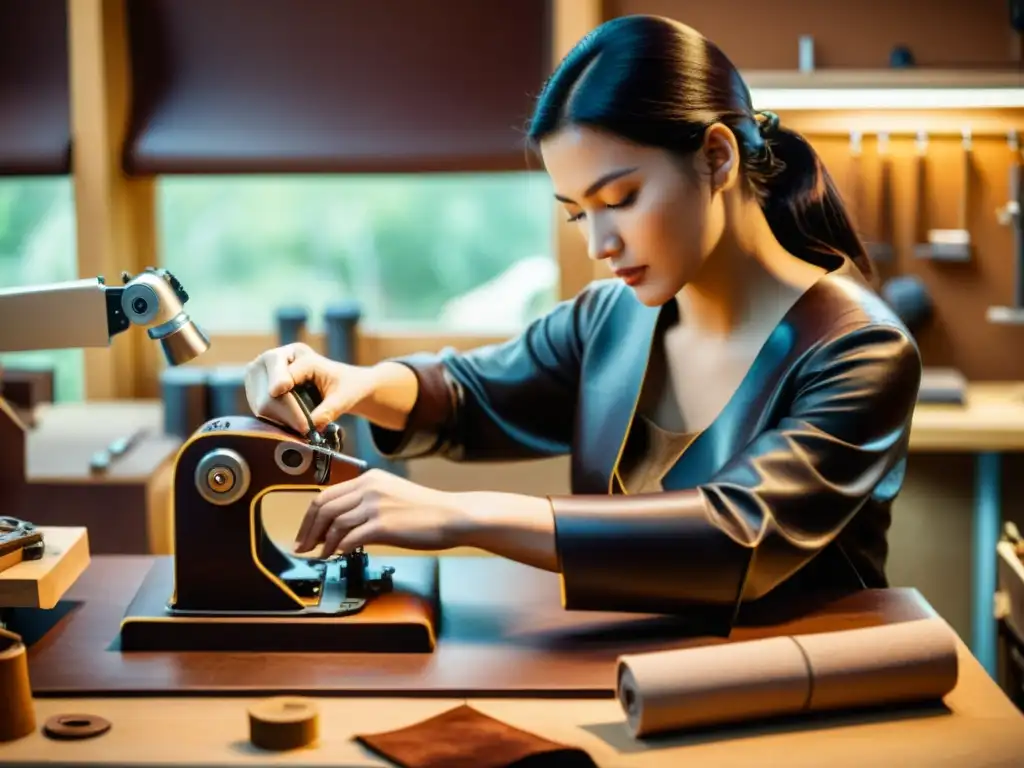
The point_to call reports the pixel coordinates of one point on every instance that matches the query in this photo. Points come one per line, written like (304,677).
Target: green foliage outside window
(447,253)
(450,253)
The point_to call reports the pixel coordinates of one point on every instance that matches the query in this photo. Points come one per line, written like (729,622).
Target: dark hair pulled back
(657,82)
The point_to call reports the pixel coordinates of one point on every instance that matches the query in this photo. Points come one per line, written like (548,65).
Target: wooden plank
(503,632)
(978,727)
(992,420)
(573,19)
(901,123)
(42,583)
(114,216)
(883,78)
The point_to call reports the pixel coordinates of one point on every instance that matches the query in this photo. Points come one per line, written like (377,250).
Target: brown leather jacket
(788,492)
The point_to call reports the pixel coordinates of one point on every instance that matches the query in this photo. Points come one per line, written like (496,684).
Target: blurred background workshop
(238,146)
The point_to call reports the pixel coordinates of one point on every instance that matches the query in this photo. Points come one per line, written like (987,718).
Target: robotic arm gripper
(89,313)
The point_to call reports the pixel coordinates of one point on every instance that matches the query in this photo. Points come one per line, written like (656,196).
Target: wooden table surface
(503,631)
(66,435)
(977,727)
(991,420)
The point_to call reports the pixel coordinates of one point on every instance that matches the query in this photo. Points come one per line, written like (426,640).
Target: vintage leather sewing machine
(229,586)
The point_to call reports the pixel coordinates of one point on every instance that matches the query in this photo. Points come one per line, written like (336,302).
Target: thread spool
(341,322)
(291,322)
(284,722)
(226,392)
(17,713)
(341,319)
(184,395)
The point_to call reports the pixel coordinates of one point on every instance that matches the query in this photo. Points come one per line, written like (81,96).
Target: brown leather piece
(431,418)
(463,737)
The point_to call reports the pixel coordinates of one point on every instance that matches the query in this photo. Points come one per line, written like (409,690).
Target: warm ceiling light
(886,98)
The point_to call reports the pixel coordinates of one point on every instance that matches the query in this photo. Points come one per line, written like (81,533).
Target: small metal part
(334,437)
(360,579)
(140,303)
(293,458)
(323,466)
(222,476)
(20,534)
(101,460)
(308,398)
(75,727)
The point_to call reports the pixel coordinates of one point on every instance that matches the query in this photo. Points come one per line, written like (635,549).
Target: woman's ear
(722,156)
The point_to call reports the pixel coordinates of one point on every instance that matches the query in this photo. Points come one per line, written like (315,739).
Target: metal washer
(235,472)
(303,450)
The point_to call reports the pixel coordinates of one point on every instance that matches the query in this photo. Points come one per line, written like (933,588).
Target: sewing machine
(229,586)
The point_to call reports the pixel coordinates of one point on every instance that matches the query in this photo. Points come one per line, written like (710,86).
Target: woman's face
(652,222)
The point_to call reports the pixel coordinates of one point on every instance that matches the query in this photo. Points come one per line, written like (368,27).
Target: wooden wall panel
(960,334)
(758,35)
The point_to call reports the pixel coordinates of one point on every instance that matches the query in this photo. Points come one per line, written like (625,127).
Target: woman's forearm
(520,528)
(393,395)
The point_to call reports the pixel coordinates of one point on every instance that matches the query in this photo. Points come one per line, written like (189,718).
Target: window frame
(116,214)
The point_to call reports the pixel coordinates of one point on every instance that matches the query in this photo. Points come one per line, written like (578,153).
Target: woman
(736,399)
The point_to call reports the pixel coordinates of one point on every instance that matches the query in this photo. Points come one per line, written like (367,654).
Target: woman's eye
(627,201)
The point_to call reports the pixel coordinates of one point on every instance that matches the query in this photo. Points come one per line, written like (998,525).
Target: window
(451,253)
(37,246)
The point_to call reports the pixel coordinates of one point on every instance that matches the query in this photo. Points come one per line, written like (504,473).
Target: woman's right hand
(277,371)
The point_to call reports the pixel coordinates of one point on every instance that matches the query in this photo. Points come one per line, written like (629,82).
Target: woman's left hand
(379,508)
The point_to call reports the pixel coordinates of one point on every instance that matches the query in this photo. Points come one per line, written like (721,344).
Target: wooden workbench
(534,666)
(126,508)
(991,420)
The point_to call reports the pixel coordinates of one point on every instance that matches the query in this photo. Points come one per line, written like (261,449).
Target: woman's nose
(603,244)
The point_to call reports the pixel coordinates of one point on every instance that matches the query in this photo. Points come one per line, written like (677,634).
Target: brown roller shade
(35,113)
(279,86)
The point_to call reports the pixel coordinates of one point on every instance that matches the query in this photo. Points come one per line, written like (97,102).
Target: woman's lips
(632,275)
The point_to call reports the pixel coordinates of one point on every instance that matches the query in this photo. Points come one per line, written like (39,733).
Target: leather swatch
(463,737)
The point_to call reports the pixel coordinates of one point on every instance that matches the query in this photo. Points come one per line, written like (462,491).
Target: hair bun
(767,122)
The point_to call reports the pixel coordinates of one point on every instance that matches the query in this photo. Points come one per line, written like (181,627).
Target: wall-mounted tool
(101,461)
(855,183)
(882,249)
(955,244)
(1010,215)
(922,248)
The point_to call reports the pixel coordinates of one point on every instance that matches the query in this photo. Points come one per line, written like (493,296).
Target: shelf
(896,89)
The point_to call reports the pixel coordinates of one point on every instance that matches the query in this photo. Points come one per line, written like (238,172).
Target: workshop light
(779,99)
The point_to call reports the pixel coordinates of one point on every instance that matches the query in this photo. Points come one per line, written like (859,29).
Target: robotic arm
(89,313)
